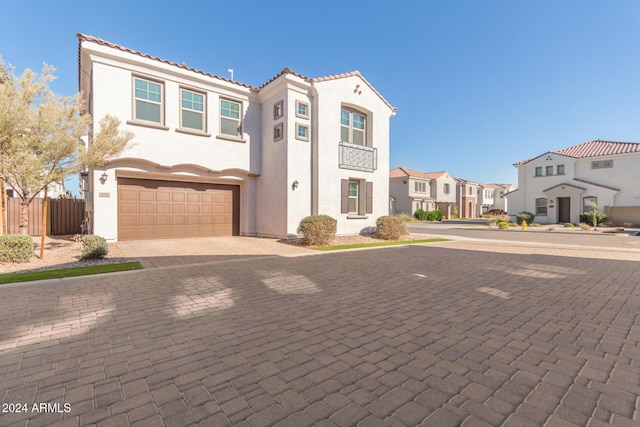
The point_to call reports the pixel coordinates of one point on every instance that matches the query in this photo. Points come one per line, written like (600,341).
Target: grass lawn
(369,245)
(68,272)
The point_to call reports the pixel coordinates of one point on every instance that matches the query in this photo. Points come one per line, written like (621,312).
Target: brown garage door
(149,209)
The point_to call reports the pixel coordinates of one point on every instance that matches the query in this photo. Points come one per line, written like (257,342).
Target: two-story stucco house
(559,185)
(212,156)
(491,197)
(411,190)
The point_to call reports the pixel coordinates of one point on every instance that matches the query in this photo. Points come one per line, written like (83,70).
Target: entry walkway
(170,252)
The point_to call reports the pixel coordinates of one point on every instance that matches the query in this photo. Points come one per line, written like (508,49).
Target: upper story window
(446,188)
(560,169)
(277,110)
(302,109)
(192,110)
(420,187)
(602,164)
(471,191)
(277,132)
(539,171)
(549,170)
(148,99)
(230,124)
(302,132)
(352,127)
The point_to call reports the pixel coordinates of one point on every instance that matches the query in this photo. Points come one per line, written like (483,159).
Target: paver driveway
(392,336)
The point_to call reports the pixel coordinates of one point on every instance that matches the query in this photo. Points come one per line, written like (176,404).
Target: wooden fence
(64,216)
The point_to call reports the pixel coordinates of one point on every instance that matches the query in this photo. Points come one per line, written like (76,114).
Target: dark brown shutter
(344,196)
(369,194)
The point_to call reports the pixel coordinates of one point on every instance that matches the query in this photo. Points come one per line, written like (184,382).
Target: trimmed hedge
(434,215)
(317,230)
(525,216)
(93,247)
(420,215)
(390,228)
(16,248)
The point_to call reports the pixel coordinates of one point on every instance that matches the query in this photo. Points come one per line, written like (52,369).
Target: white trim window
(541,206)
(302,109)
(277,132)
(302,132)
(230,123)
(352,127)
(277,110)
(420,187)
(148,99)
(354,195)
(192,110)
(589,204)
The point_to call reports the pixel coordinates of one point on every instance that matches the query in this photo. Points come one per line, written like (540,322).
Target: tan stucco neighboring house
(213,156)
(411,190)
(559,185)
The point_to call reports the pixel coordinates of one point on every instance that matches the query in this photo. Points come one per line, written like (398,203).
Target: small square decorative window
(302,109)
(538,171)
(277,132)
(148,99)
(549,170)
(192,110)
(277,110)
(560,169)
(230,118)
(607,164)
(302,132)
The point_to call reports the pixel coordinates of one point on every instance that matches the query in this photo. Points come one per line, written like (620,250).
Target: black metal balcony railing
(357,157)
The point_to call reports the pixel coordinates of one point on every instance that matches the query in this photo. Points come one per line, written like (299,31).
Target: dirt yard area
(61,252)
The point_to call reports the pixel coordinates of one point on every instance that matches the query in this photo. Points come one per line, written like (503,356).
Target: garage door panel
(149,209)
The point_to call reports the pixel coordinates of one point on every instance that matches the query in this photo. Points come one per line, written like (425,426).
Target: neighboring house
(467,197)
(213,156)
(55,190)
(559,185)
(411,190)
(491,197)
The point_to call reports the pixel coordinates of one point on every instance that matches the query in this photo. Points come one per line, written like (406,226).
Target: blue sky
(478,85)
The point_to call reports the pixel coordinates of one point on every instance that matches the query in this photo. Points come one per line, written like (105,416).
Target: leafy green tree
(40,135)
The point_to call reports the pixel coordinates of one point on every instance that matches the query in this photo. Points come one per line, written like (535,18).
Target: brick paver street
(409,335)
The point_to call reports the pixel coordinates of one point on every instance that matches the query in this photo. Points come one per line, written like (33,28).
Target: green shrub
(568,225)
(435,215)
(420,215)
(390,228)
(317,230)
(499,218)
(502,225)
(16,248)
(587,217)
(93,247)
(524,216)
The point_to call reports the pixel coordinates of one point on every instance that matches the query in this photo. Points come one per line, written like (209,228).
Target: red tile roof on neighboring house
(404,172)
(592,149)
(86,37)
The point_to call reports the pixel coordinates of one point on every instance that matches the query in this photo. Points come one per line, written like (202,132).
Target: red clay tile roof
(404,172)
(85,37)
(592,149)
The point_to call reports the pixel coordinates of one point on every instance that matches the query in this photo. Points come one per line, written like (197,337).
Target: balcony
(357,157)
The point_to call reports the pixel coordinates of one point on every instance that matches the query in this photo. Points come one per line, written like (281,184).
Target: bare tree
(40,135)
